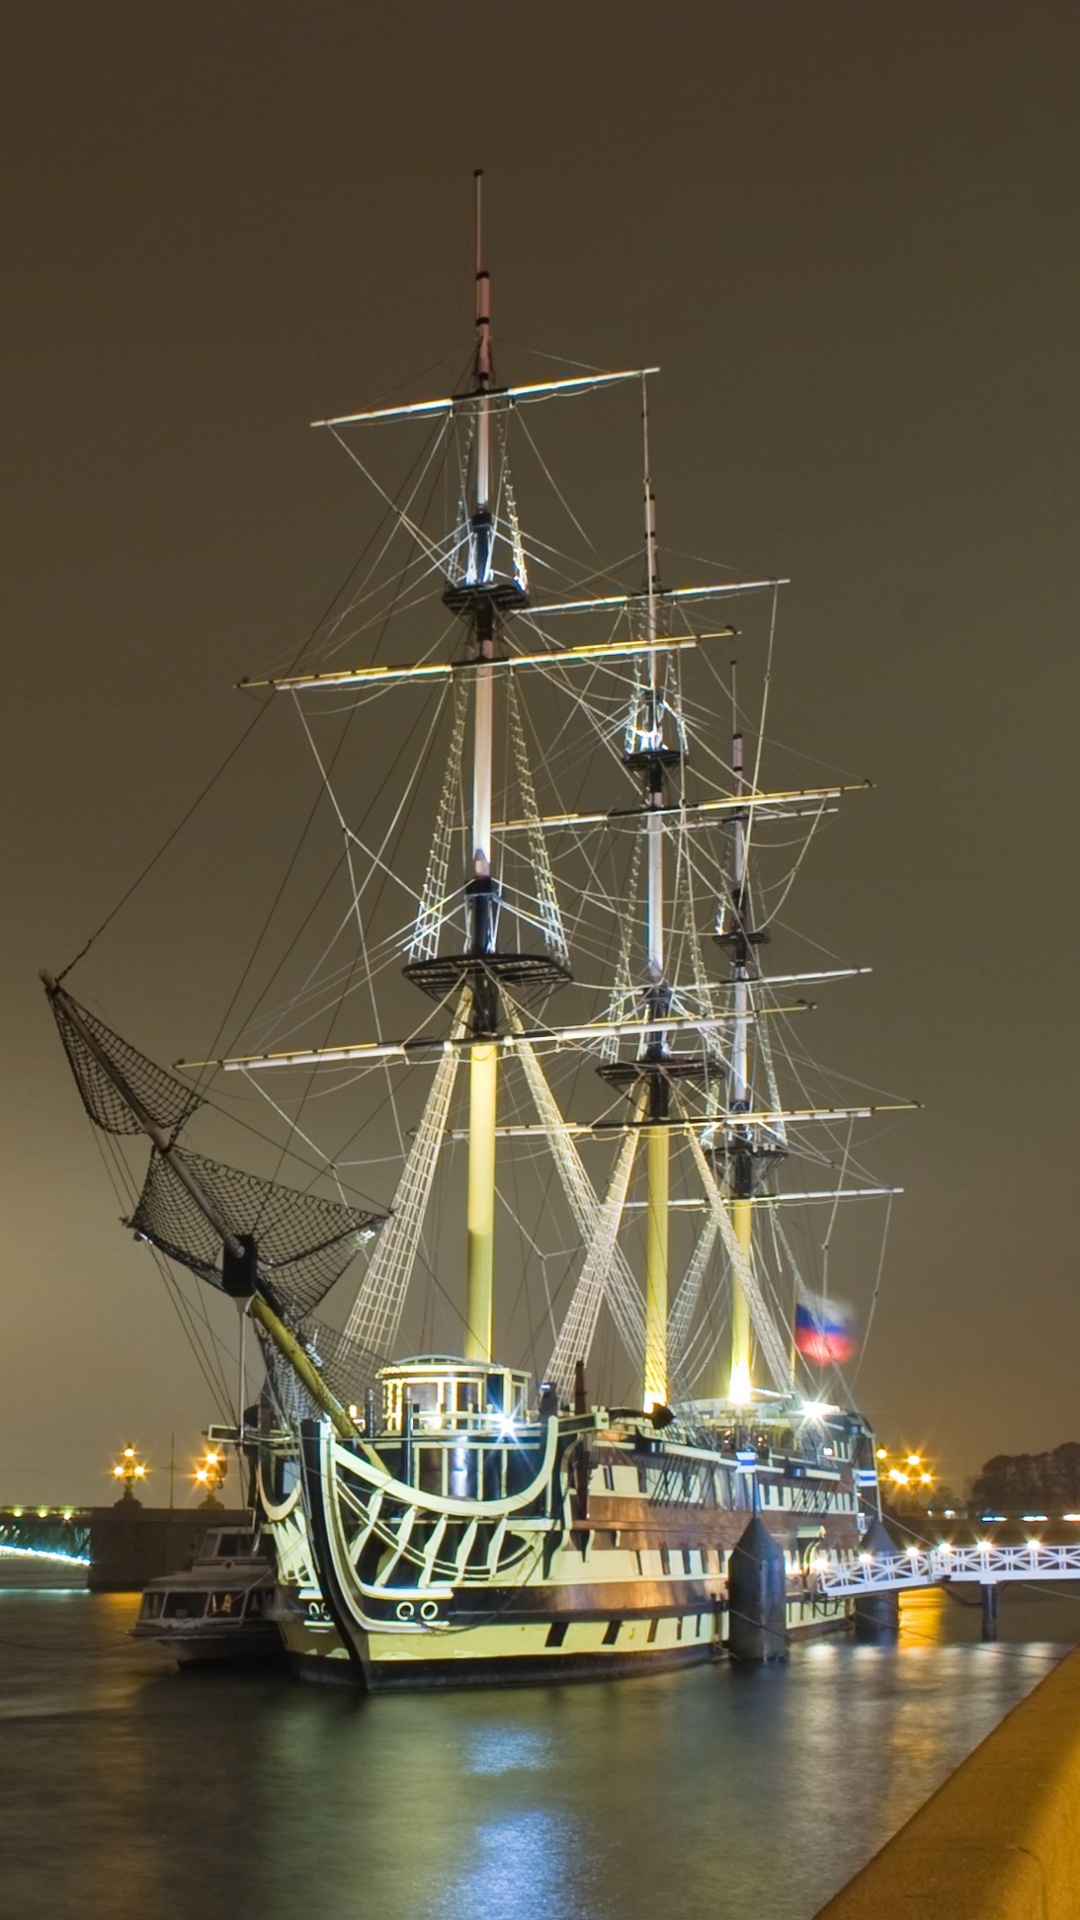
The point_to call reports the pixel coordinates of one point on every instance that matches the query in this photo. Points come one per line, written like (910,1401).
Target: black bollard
(989,1612)
(877,1615)
(757,1597)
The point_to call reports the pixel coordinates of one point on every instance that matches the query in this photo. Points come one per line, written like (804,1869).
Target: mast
(742,1212)
(483,596)
(483,889)
(658,993)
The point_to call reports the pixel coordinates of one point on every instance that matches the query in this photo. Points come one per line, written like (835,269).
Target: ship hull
(588,1573)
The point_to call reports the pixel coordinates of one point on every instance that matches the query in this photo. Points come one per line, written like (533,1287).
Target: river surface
(129,1791)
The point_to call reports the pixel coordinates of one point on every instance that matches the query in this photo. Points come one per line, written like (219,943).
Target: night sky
(848,234)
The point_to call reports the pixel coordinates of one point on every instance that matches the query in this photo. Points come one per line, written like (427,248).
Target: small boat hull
(217,1612)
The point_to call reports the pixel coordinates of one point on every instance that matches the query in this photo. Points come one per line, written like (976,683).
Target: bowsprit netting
(167,1101)
(304,1243)
(348,1367)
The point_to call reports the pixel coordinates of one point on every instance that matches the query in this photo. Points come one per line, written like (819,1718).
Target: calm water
(131,1791)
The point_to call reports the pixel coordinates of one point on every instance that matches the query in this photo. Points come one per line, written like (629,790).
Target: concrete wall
(131,1544)
(1001,1839)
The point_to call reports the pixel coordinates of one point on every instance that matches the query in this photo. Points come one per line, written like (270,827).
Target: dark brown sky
(849,235)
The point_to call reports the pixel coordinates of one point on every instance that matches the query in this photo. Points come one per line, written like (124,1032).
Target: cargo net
(304,1243)
(168,1101)
(348,1369)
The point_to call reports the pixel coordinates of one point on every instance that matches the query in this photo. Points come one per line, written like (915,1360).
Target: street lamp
(129,1468)
(210,1474)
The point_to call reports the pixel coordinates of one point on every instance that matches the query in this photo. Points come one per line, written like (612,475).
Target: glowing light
(68,1511)
(1030,1518)
(1036,1544)
(740,1391)
(507,1429)
(129,1468)
(44,1553)
(211,1470)
(1065,1516)
(926,1479)
(42,1513)
(898,1474)
(18,1512)
(914,1460)
(985,1546)
(882,1453)
(817,1409)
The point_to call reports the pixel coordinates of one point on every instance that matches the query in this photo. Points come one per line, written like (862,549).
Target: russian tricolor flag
(824,1330)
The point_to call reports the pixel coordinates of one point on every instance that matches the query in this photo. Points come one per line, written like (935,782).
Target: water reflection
(135,1793)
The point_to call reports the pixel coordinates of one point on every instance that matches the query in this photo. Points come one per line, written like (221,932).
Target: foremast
(483,889)
(483,597)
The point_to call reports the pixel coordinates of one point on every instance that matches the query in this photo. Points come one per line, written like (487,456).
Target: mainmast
(659,996)
(736,934)
(648,1079)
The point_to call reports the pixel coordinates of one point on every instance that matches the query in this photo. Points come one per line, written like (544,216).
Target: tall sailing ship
(453,1518)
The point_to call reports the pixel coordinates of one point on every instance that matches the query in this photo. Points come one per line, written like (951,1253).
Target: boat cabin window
(183,1606)
(255,1607)
(446,1395)
(230,1546)
(225,1605)
(151,1606)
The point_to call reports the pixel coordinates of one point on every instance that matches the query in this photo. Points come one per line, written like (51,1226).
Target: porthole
(405,1610)
(429,1610)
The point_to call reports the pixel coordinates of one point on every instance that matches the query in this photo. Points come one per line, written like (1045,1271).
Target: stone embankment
(1000,1840)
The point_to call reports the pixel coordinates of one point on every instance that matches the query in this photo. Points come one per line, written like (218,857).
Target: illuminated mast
(483,889)
(483,596)
(652,758)
(736,934)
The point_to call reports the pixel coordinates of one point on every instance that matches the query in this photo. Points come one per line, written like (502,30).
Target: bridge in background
(62,1533)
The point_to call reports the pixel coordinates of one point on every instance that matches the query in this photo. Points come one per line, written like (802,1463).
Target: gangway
(985,1565)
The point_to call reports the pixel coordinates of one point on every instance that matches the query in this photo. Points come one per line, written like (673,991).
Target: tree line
(1030,1482)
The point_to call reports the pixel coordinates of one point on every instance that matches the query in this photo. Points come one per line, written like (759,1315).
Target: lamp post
(130,1470)
(210,1474)
(908,1480)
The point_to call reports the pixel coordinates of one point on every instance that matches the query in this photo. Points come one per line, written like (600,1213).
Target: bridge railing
(929,1566)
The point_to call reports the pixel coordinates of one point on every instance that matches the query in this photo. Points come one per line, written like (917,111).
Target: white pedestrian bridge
(987,1566)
